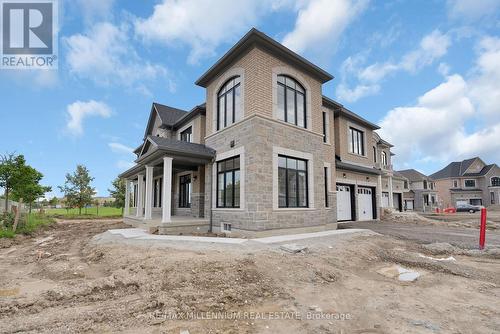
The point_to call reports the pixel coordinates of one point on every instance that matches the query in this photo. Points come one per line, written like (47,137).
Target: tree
(118,192)
(10,167)
(27,185)
(77,189)
(53,201)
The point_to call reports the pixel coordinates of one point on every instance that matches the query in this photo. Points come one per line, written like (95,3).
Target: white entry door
(365,203)
(344,209)
(385,200)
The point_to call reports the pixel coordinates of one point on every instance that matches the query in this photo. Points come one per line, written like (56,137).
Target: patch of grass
(103,212)
(27,225)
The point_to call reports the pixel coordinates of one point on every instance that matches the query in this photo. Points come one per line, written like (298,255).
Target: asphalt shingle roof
(178,146)
(458,169)
(413,175)
(169,115)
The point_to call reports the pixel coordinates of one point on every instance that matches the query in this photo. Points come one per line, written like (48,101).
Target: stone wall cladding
(259,135)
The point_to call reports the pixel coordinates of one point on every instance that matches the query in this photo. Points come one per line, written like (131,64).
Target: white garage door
(462,202)
(344,210)
(365,203)
(409,205)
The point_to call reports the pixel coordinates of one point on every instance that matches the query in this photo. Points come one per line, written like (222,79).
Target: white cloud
(105,55)
(472,9)
(120,148)
(321,22)
(432,47)
(200,24)
(458,119)
(79,110)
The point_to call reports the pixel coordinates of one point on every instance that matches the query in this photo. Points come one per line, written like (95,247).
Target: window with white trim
(384,158)
(187,135)
(495,181)
(228,103)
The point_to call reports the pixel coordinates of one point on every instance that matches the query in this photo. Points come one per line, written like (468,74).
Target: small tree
(118,192)
(10,167)
(27,186)
(77,189)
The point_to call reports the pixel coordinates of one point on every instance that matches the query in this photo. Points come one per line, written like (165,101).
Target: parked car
(468,208)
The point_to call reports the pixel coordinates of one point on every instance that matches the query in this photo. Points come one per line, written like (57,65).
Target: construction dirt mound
(407,217)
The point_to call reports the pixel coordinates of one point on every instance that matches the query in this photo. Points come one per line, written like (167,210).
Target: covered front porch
(166,189)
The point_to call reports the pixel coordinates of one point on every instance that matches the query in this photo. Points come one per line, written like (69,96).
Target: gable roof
(340,110)
(257,38)
(170,117)
(414,175)
(459,169)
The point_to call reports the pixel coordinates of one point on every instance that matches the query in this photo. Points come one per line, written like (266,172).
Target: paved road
(461,237)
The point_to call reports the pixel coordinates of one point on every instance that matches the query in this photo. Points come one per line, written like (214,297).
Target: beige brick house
(267,151)
(470,181)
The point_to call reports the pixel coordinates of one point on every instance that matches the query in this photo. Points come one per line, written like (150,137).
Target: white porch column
(148,207)
(167,190)
(126,210)
(391,196)
(140,191)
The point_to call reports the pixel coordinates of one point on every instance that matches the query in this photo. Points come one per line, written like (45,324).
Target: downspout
(210,230)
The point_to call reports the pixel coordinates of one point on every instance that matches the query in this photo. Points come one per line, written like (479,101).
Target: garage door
(365,203)
(344,209)
(462,202)
(409,205)
(385,200)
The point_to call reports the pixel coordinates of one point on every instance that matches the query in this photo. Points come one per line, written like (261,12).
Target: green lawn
(34,222)
(107,212)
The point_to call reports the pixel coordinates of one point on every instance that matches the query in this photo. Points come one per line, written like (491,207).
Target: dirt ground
(61,282)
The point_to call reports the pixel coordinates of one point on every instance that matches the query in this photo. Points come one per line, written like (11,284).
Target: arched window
(291,101)
(228,103)
(495,181)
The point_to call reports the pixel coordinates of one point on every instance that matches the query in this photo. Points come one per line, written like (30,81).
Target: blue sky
(426,71)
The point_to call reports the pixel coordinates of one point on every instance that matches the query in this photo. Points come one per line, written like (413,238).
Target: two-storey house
(420,193)
(470,181)
(267,151)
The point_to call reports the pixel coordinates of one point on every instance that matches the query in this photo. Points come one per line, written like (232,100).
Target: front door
(365,203)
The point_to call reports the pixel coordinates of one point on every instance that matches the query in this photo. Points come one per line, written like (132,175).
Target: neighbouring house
(266,151)
(470,181)
(420,191)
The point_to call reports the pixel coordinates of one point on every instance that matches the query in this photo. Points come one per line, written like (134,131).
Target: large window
(292,182)
(228,183)
(157,183)
(228,103)
(356,141)
(185,191)
(187,135)
(291,101)
(470,183)
(495,181)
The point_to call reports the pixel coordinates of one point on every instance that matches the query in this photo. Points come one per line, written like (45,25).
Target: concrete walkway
(137,236)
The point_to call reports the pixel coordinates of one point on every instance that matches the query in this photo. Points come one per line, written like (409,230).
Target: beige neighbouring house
(266,152)
(420,191)
(470,181)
